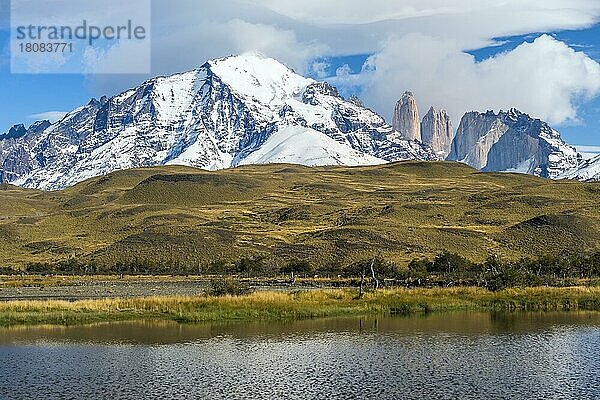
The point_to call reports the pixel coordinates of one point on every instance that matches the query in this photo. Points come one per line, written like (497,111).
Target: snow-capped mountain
(512,142)
(230,111)
(588,171)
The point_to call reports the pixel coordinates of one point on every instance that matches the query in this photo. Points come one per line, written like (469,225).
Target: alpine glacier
(231,111)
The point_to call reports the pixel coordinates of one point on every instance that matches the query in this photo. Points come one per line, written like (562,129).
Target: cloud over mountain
(434,33)
(545,77)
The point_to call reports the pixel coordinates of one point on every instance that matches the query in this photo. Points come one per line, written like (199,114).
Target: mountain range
(250,109)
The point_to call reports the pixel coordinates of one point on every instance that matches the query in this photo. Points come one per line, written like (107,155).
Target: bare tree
(362,282)
(375,280)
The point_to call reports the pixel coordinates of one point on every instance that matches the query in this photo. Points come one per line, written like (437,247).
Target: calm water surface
(440,356)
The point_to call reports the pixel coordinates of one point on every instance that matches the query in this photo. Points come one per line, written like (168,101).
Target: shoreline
(97,287)
(296,305)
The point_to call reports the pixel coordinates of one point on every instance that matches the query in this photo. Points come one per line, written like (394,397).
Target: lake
(437,356)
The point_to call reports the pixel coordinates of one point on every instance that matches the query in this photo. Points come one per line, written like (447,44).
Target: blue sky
(24,95)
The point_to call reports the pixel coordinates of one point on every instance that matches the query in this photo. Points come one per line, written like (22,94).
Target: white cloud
(193,45)
(320,69)
(344,70)
(122,57)
(589,149)
(588,152)
(360,24)
(51,116)
(545,78)
(189,46)
(361,12)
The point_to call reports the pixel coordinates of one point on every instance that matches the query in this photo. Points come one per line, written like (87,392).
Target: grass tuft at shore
(297,305)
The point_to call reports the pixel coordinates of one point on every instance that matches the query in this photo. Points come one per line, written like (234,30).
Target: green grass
(323,215)
(297,305)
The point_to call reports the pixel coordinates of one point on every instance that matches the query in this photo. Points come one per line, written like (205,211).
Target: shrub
(382,268)
(253,266)
(229,286)
(418,268)
(40,268)
(448,263)
(297,267)
(8,271)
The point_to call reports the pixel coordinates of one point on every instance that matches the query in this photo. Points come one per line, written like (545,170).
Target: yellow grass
(297,305)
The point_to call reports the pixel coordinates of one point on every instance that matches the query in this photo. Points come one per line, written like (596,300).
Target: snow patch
(588,171)
(305,146)
(262,79)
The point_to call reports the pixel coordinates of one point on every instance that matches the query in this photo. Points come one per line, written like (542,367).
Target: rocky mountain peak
(322,88)
(436,131)
(15,132)
(513,114)
(512,141)
(406,118)
(39,126)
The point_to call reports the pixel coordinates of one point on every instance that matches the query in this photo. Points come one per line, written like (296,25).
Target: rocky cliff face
(436,131)
(406,118)
(512,142)
(15,160)
(15,132)
(213,117)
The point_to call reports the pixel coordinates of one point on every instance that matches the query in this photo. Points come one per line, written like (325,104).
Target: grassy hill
(323,215)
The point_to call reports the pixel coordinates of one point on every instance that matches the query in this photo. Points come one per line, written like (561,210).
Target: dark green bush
(251,266)
(8,271)
(297,267)
(448,263)
(229,286)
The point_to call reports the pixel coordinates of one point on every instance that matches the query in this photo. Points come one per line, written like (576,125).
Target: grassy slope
(297,305)
(325,215)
